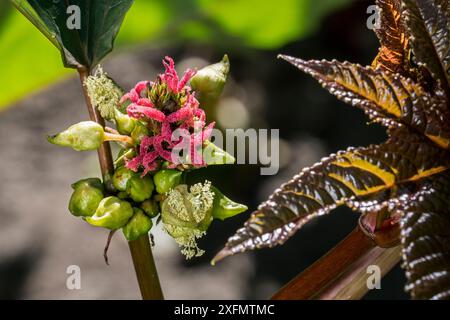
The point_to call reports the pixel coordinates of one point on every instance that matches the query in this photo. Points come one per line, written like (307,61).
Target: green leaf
(224,208)
(389,99)
(213,155)
(350,175)
(100,22)
(426,239)
(429,31)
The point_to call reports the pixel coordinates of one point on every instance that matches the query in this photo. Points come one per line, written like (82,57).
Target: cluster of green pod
(129,201)
(133,206)
(185,214)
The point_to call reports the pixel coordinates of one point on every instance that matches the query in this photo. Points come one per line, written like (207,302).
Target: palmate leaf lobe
(394,51)
(350,175)
(401,186)
(389,99)
(426,239)
(428,28)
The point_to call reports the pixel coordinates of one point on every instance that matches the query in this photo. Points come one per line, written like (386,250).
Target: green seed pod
(166,180)
(124,123)
(150,207)
(112,213)
(187,215)
(213,155)
(83,136)
(140,189)
(122,195)
(121,177)
(86,197)
(139,132)
(225,208)
(210,81)
(137,226)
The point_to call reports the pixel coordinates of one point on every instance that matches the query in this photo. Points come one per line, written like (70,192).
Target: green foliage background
(29,62)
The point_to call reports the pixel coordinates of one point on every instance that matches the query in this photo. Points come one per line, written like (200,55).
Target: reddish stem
(341,268)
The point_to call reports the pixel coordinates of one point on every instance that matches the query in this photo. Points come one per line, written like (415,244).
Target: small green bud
(210,81)
(187,215)
(213,155)
(140,189)
(86,197)
(124,123)
(137,226)
(112,213)
(83,136)
(121,177)
(166,180)
(150,207)
(139,132)
(225,208)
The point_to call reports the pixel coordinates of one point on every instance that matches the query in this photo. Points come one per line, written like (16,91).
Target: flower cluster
(166,105)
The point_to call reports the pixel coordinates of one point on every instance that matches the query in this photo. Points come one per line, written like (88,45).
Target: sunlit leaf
(349,175)
(386,98)
(394,51)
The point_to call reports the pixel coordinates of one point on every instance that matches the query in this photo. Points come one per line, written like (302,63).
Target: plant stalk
(140,249)
(342,272)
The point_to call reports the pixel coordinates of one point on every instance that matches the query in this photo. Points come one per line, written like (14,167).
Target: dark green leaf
(100,22)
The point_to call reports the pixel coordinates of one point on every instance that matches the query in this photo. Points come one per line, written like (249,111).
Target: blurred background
(39,239)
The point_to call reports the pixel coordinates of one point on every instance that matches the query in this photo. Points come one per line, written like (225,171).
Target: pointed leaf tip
(224,253)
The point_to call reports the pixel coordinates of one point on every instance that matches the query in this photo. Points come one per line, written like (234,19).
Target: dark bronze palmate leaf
(394,52)
(390,99)
(426,239)
(336,180)
(428,28)
(407,177)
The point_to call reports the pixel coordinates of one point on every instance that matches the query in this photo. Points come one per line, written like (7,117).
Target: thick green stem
(145,268)
(140,249)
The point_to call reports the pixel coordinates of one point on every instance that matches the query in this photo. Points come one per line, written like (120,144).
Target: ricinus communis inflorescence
(163,134)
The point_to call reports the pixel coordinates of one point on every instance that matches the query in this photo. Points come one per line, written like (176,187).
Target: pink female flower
(148,102)
(171,77)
